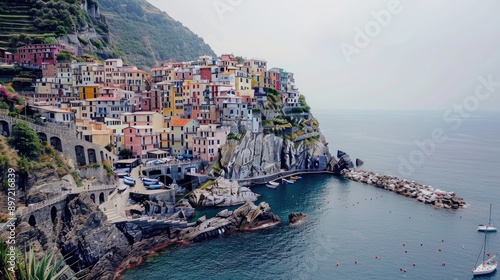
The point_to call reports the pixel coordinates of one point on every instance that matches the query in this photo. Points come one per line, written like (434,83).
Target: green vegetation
(146,36)
(206,184)
(42,21)
(29,268)
(64,56)
(26,141)
(125,153)
(108,167)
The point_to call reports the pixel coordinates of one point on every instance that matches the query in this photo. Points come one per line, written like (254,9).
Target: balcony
(142,134)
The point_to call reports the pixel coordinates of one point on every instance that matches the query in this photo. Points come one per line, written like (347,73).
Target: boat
(294,177)
(155,186)
(148,183)
(288,181)
(488,265)
(271,186)
(273,183)
(145,179)
(128,182)
(129,178)
(489,227)
(121,174)
(122,187)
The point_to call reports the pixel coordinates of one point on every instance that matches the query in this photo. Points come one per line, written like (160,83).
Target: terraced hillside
(42,21)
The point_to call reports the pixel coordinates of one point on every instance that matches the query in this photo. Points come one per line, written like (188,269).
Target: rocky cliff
(259,154)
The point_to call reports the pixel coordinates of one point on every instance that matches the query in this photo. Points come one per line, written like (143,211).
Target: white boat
(271,186)
(288,181)
(122,187)
(489,227)
(488,265)
(273,183)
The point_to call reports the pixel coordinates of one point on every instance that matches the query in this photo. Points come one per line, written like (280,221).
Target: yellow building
(89,91)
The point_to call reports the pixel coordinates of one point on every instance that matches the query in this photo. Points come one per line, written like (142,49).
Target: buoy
(406,251)
(439,249)
(404,269)
(404,244)
(421,244)
(414,264)
(463,247)
(488,254)
(443,264)
(442,240)
(356,262)
(337,264)
(376,257)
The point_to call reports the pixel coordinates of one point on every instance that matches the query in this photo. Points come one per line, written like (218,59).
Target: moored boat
(155,186)
(128,182)
(489,227)
(294,177)
(273,183)
(147,183)
(129,178)
(288,181)
(271,186)
(122,187)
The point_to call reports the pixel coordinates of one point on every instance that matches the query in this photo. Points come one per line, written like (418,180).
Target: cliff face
(260,154)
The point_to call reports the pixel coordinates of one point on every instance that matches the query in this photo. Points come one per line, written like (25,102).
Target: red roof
(179,122)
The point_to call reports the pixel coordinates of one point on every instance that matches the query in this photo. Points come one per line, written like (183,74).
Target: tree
(125,153)
(26,141)
(64,56)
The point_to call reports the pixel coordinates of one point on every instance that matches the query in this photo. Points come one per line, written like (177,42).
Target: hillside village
(182,109)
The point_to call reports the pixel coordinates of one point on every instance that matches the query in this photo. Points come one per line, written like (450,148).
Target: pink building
(37,54)
(140,140)
(208,139)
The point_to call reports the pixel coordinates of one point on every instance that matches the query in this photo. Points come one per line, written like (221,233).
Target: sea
(358,231)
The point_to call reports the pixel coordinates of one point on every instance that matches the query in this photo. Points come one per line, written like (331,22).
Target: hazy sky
(418,55)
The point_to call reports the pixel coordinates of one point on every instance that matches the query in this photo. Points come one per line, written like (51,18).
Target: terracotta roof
(179,122)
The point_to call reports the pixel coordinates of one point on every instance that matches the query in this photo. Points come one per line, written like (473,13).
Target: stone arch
(167,180)
(92,156)
(102,156)
(42,136)
(101,198)
(53,214)
(32,221)
(80,155)
(4,126)
(92,197)
(56,143)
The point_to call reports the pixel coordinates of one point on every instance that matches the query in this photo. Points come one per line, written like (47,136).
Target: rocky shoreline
(423,193)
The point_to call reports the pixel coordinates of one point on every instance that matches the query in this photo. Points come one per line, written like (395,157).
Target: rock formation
(222,193)
(359,162)
(262,154)
(423,193)
(295,217)
(247,217)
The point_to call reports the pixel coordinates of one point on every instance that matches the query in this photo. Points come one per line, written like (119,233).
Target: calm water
(350,222)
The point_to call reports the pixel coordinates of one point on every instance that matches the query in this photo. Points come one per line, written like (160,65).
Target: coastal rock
(248,217)
(294,217)
(343,163)
(359,162)
(423,193)
(259,154)
(222,193)
(184,206)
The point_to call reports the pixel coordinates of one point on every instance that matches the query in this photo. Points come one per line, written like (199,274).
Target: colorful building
(208,140)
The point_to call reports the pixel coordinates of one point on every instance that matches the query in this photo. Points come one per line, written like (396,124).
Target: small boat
(121,174)
(488,265)
(271,186)
(145,179)
(129,178)
(128,182)
(148,183)
(487,228)
(122,187)
(288,181)
(155,186)
(273,183)
(294,177)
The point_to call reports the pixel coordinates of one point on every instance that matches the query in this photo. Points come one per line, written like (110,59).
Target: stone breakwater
(423,193)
